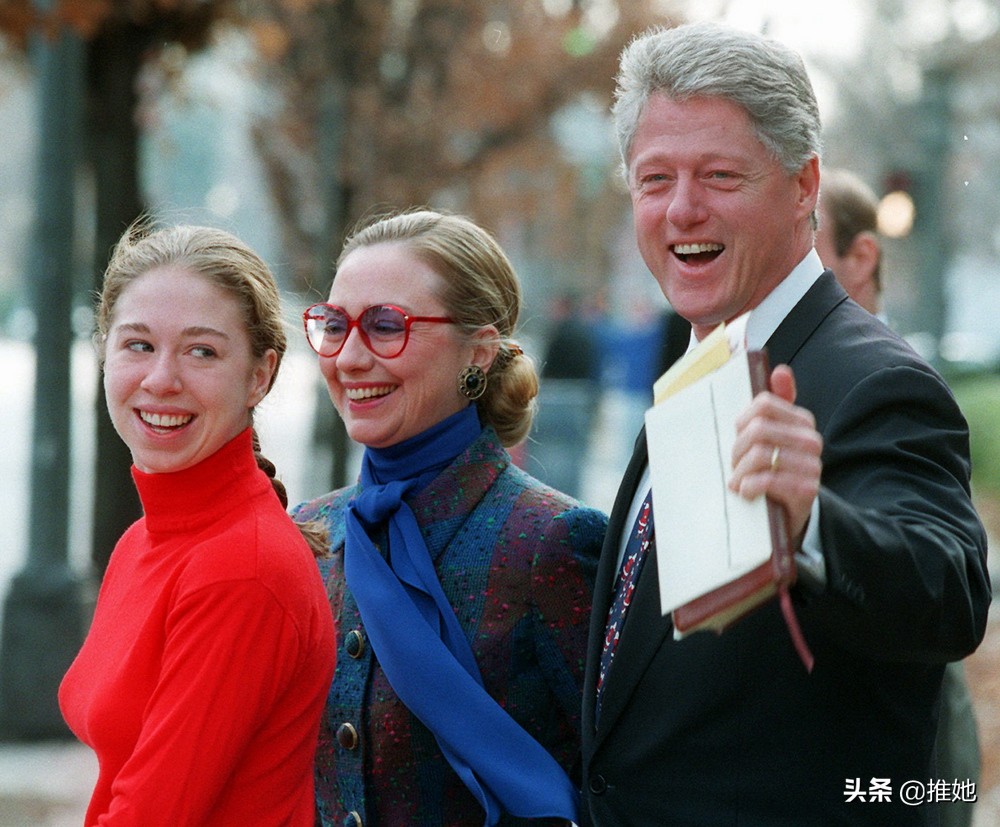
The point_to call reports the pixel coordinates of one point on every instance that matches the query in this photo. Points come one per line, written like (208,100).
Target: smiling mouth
(698,253)
(360,394)
(164,423)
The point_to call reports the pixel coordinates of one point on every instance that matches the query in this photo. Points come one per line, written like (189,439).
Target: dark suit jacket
(731,730)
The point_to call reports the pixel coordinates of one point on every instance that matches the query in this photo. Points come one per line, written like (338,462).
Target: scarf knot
(376,504)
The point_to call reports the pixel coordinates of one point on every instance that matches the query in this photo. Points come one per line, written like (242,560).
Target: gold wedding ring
(775,453)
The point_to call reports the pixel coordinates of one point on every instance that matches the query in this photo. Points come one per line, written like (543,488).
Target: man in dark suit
(858,439)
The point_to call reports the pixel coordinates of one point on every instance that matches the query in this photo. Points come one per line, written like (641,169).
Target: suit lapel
(607,570)
(818,302)
(644,625)
(443,520)
(641,637)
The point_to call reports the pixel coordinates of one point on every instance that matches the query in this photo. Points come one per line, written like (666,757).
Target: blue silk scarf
(421,646)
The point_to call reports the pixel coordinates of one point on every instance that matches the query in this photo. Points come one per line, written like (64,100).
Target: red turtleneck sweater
(201,682)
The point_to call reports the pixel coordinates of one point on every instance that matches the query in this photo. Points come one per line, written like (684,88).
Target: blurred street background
(287,120)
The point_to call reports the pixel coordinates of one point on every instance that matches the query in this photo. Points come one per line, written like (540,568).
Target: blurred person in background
(847,238)
(858,440)
(570,352)
(848,242)
(461,584)
(202,679)
(567,399)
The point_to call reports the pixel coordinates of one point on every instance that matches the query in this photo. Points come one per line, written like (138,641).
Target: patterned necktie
(639,542)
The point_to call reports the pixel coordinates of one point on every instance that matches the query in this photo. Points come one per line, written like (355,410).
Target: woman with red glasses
(461,585)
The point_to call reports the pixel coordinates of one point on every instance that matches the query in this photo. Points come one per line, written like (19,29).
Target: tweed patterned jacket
(516,560)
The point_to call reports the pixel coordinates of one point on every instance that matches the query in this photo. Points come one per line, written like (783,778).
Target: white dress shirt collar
(771,312)
(766,316)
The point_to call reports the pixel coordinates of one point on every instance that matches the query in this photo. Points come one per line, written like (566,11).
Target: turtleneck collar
(185,500)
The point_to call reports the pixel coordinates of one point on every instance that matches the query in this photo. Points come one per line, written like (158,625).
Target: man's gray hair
(765,78)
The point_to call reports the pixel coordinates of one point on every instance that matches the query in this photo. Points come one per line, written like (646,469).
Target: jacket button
(347,736)
(354,643)
(352,819)
(598,786)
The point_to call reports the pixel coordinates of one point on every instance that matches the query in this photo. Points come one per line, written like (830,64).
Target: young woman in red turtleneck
(201,682)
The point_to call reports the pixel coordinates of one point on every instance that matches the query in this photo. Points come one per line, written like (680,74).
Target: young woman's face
(385,401)
(179,375)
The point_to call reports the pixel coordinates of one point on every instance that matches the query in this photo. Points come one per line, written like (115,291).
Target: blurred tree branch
(437,101)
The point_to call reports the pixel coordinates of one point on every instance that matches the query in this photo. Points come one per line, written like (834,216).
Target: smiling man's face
(719,222)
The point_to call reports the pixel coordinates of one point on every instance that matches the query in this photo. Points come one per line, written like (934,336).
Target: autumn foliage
(20,18)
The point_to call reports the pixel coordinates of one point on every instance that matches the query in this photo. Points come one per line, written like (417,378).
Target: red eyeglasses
(384,328)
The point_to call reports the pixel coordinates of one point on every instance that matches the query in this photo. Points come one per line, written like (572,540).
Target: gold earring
(472,382)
